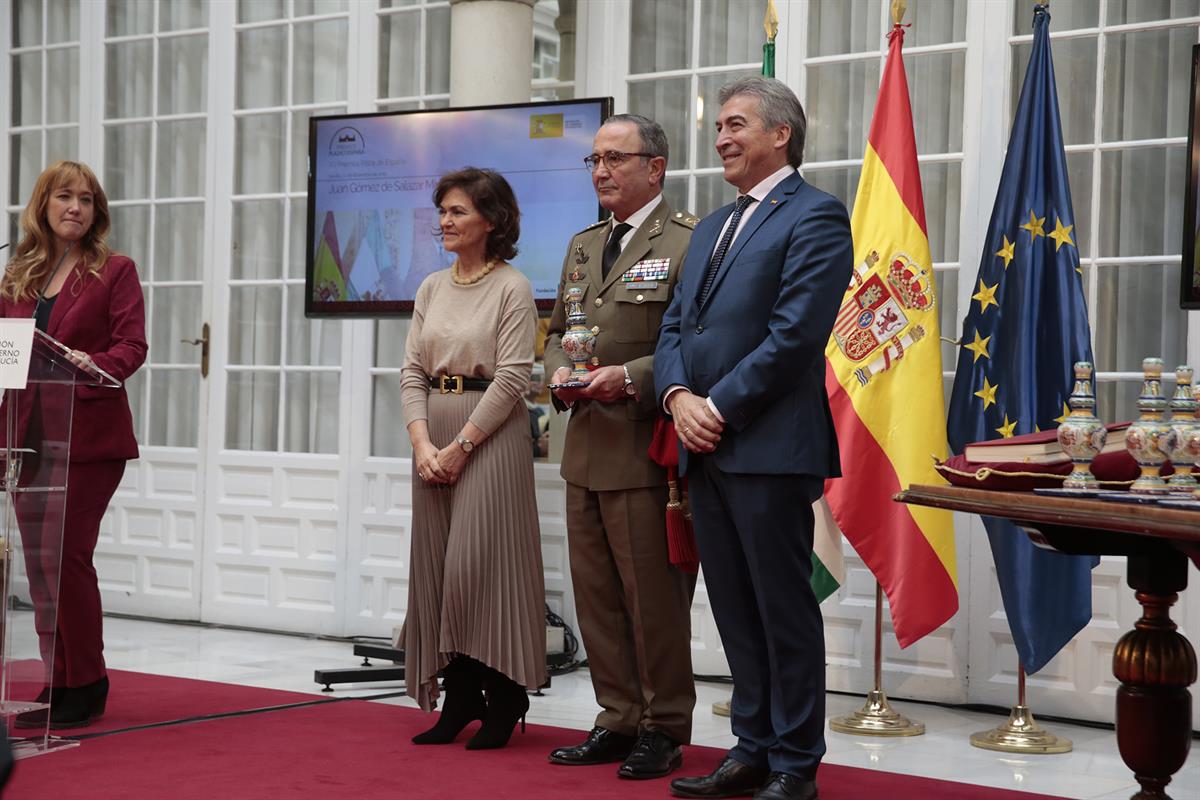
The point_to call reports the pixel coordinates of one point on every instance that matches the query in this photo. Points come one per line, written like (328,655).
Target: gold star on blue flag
(1035,334)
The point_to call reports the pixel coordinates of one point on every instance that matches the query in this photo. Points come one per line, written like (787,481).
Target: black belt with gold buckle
(457,384)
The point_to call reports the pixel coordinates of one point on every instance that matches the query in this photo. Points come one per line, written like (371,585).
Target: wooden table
(1154,662)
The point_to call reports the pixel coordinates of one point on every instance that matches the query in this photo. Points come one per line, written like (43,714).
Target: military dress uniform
(633,605)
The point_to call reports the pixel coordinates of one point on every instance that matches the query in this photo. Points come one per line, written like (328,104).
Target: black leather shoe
(731,778)
(654,756)
(601,746)
(79,706)
(38,718)
(782,786)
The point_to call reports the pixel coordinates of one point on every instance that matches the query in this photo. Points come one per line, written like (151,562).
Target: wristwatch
(466,444)
(630,389)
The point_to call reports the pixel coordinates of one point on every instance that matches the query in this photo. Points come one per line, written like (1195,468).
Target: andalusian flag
(885,376)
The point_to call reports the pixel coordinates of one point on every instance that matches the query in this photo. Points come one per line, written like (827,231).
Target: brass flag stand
(1021,734)
(877,717)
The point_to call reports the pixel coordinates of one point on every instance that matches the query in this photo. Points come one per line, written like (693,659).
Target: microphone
(41,297)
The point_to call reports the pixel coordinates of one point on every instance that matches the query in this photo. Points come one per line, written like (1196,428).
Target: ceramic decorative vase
(1194,437)
(1185,445)
(579,340)
(1082,434)
(1145,438)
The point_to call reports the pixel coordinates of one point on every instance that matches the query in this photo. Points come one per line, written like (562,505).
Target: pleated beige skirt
(476,586)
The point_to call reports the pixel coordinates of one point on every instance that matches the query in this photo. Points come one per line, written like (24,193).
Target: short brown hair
(777,105)
(495,200)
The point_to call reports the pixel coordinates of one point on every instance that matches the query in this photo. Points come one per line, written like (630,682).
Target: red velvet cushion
(1112,469)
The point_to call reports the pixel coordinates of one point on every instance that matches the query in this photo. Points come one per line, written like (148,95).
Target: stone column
(565,25)
(491,51)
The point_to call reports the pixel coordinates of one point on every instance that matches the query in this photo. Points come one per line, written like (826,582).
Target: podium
(33,489)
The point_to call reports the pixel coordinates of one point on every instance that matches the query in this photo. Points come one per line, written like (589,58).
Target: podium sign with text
(16,343)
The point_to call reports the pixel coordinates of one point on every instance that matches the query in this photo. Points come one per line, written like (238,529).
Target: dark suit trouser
(71,634)
(755,534)
(634,610)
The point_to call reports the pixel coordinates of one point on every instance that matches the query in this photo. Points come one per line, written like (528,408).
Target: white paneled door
(153,158)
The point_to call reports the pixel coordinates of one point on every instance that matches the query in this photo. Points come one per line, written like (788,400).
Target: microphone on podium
(41,295)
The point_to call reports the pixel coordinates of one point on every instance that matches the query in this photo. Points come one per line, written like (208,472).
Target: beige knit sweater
(485,330)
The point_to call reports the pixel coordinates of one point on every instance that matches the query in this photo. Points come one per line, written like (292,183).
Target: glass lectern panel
(33,488)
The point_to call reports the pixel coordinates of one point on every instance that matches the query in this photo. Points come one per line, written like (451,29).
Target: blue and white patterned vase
(579,340)
(1082,434)
(1146,439)
(1184,439)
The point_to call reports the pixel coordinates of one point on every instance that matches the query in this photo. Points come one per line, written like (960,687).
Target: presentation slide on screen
(375,229)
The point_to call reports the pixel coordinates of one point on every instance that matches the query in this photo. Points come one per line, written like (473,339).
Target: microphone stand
(41,296)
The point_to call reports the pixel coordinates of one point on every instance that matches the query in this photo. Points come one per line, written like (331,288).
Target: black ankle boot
(462,703)
(506,705)
(79,705)
(38,717)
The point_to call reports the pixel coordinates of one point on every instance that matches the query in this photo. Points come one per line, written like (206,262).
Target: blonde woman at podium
(64,275)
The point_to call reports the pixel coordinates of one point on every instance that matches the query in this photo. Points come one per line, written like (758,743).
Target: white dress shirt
(635,219)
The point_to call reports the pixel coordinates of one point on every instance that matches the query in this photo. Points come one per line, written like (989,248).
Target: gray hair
(654,138)
(777,105)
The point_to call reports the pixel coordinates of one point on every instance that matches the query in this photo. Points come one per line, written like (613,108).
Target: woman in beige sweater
(476,594)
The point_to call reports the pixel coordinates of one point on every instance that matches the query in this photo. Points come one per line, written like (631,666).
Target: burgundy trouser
(71,641)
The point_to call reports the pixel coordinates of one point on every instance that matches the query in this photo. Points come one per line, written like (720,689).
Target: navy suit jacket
(757,344)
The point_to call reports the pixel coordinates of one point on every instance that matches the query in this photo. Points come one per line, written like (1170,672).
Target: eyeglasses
(612,159)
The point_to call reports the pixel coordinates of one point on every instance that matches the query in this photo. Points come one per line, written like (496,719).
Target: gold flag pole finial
(898,9)
(771,21)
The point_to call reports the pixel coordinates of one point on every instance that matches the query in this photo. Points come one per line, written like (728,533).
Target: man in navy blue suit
(741,359)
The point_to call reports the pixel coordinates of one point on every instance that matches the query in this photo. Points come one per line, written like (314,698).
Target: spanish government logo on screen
(545,126)
(346,142)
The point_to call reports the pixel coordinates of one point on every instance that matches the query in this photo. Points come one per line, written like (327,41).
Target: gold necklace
(454,273)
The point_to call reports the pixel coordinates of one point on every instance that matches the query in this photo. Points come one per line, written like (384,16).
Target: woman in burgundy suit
(64,275)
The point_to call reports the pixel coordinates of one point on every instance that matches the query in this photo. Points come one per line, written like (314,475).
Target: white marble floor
(1094,769)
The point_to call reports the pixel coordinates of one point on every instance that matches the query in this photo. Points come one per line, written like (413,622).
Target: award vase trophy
(37,411)
(578,341)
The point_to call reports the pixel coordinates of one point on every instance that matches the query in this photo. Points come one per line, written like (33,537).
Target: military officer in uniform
(633,605)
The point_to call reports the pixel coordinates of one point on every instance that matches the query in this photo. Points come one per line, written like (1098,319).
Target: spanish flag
(884,376)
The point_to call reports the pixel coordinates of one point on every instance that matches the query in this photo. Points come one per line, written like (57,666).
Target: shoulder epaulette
(685,219)
(594,225)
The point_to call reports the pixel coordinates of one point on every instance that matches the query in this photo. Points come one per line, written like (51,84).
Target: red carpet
(136,698)
(356,749)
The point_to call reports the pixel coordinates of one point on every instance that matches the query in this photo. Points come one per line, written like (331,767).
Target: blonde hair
(30,265)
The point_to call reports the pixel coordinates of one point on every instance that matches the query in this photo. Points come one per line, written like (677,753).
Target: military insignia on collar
(656,229)
(580,256)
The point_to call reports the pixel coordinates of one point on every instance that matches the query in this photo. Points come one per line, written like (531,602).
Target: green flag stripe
(823,582)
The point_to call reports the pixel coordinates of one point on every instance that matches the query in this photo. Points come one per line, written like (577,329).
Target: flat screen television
(1189,296)
(372,226)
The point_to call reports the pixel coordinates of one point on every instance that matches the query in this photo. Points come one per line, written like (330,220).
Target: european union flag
(1026,327)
